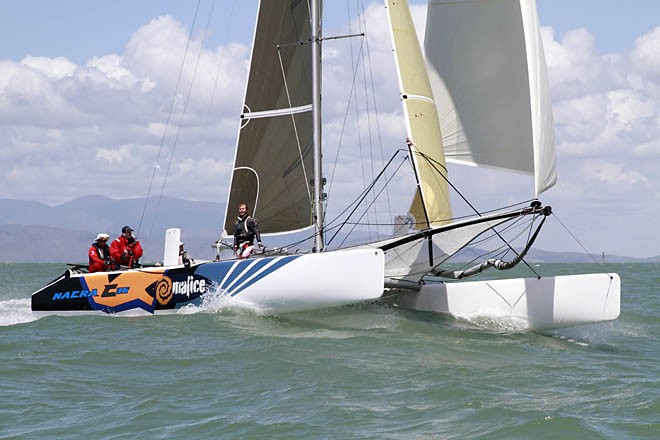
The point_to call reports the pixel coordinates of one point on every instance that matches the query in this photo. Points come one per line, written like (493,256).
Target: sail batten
(487,68)
(277,112)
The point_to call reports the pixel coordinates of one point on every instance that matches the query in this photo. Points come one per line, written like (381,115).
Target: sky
(86,90)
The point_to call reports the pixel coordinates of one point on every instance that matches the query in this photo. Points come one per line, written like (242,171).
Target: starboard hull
(546,303)
(275,285)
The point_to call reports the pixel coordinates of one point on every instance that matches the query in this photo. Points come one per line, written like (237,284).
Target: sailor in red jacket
(99,255)
(126,250)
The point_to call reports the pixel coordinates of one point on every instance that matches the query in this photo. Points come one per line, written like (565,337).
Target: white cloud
(115,157)
(645,55)
(54,68)
(109,117)
(611,173)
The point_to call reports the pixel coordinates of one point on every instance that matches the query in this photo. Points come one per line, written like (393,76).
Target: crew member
(126,250)
(184,257)
(99,255)
(246,230)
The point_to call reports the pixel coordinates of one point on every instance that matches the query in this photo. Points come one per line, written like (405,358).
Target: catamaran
(477,94)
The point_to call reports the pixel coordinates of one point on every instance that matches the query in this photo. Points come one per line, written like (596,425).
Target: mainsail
(273,163)
(480,55)
(430,205)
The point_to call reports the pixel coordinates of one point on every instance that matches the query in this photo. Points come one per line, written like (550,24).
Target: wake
(16,311)
(216,301)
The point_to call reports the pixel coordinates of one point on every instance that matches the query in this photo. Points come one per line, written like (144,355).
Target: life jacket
(244,230)
(104,254)
(101,254)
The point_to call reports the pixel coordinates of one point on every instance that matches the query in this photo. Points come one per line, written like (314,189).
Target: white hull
(316,281)
(549,302)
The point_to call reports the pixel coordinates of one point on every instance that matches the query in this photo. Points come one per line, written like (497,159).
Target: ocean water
(362,372)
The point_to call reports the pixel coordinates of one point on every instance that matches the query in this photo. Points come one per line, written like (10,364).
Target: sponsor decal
(190,286)
(113,290)
(109,290)
(122,291)
(163,290)
(73,294)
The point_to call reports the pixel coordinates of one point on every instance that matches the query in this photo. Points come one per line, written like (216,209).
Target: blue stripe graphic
(247,273)
(240,267)
(283,261)
(214,271)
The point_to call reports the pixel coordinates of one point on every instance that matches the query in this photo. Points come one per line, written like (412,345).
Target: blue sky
(90,80)
(615,23)
(83,29)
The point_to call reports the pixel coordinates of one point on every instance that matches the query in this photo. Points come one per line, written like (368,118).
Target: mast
(319,216)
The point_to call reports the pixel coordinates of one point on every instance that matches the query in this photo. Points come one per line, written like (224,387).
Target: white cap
(102,235)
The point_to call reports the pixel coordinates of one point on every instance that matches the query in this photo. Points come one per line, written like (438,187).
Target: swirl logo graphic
(164,290)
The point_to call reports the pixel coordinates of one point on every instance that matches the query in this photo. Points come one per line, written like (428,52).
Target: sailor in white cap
(99,254)
(184,258)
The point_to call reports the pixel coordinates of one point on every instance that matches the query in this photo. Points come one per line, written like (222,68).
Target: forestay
(479,54)
(273,163)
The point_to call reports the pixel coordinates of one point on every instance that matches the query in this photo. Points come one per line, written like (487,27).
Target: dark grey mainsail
(274,155)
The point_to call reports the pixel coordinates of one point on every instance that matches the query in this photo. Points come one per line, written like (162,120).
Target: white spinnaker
(487,68)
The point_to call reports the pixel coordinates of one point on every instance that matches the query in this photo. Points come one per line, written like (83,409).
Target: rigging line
(576,240)
(217,73)
(183,113)
(419,183)
(435,165)
(295,127)
(341,135)
(357,200)
(355,67)
(520,256)
(341,226)
(508,225)
(490,211)
(503,249)
(412,236)
(482,256)
(310,237)
(368,108)
(446,177)
(360,218)
(431,162)
(497,264)
(169,115)
(348,105)
(357,204)
(373,89)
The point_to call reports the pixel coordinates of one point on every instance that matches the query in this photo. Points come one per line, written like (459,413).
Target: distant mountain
(35,232)
(99,213)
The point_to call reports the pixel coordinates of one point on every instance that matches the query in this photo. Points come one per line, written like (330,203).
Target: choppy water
(351,373)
